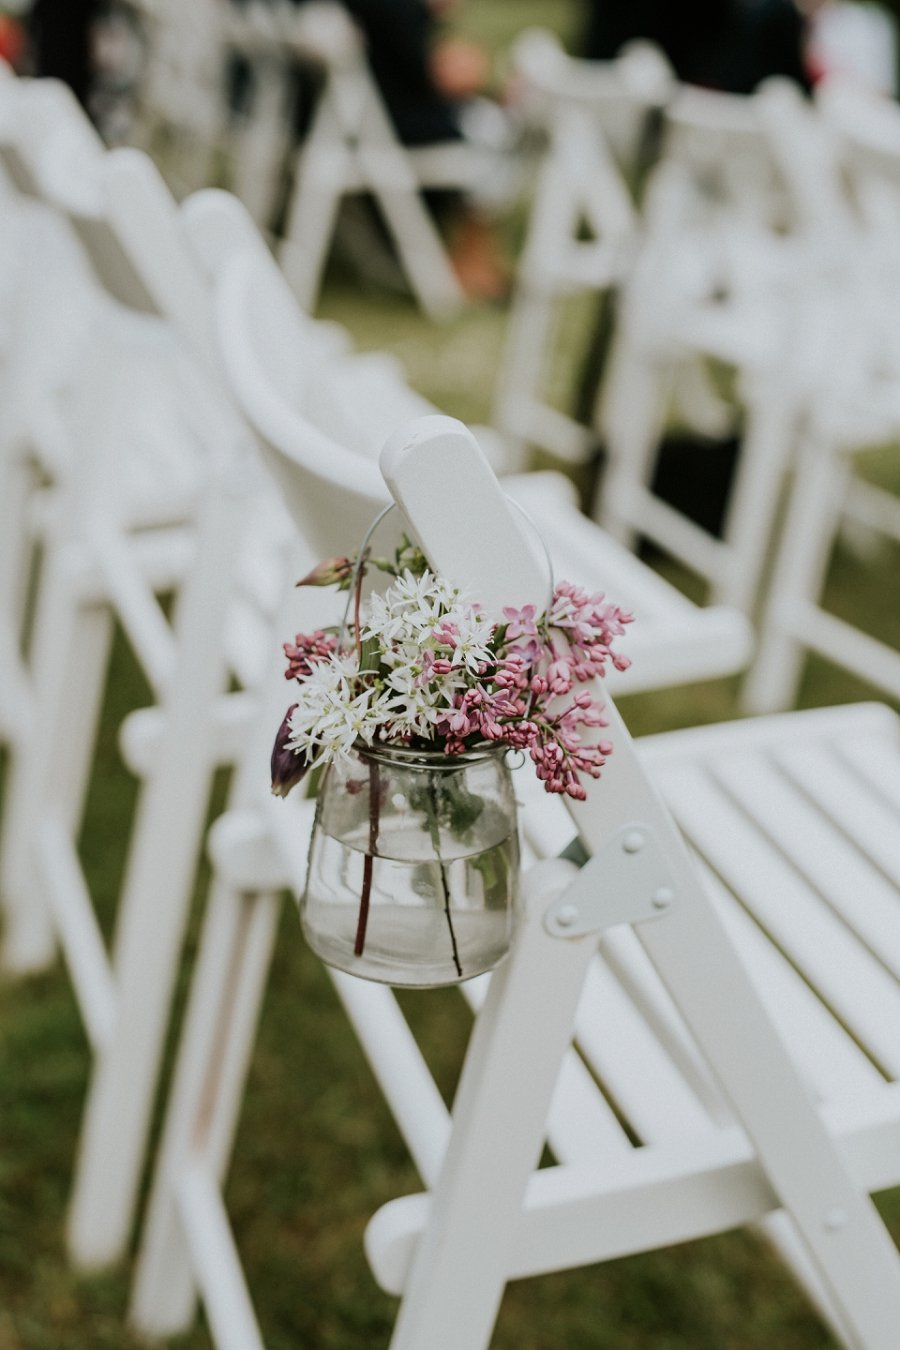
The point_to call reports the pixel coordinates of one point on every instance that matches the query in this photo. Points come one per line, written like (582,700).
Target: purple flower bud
(287,766)
(329,573)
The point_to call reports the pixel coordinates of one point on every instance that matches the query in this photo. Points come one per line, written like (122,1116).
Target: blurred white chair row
(647,1150)
(256,368)
(648,1062)
(350,146)
(149,494)
(756,804)
(596,119)
(761,259)
(150,491)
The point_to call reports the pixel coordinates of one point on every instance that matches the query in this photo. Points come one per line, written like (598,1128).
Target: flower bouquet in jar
(411,710)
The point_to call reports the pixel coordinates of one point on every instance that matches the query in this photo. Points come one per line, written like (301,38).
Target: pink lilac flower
(439,675)
(306,651)
(520,622)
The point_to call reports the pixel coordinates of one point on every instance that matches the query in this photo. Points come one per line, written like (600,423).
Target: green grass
(317,1152)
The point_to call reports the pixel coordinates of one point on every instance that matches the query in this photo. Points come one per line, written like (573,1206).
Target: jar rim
(435,759)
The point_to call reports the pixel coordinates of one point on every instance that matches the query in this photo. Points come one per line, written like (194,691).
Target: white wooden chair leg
(70,656)
(807,537)
(17,482)
(780,1233)
(313,209)
(633,413)
(527,333)
(771,428)
(258,147)
(421,249)
(303,252)
(153,911)
(387,173)
(455,1285)
(219,1030)
(524,360)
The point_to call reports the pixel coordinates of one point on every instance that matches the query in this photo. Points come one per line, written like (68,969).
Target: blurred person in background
(60,33)
(730,45)
(435,87)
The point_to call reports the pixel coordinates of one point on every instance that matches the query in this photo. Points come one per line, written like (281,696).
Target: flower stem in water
(368,860)
(436,843)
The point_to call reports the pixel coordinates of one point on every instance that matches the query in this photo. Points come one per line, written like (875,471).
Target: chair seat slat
(843,972)
(832,860)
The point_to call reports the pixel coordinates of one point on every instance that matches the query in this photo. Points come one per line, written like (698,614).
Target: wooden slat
(872,724)
(878,762)
(836,780)
(830,1061)
(831,863)
(631,1063)
(846,975)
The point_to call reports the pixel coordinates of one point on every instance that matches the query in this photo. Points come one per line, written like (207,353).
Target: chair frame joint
(628,880)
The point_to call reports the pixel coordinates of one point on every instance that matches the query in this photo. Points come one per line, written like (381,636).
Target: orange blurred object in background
(12,39)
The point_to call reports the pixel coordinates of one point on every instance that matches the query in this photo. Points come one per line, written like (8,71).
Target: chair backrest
(867,130)
(341,491)
(328,409)
(804,149)
(329,413)
(621,95)
(715,145)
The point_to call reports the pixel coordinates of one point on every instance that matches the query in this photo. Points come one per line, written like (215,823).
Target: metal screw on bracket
(628,880)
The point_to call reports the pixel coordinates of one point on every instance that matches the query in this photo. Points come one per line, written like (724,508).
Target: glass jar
(413,865)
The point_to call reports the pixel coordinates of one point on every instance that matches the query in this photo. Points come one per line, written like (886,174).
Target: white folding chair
(152,498)
(175,752)
(334,418)
(679,1110)
(352,147)
(46,303)
(582,221)
(181,94)
(853,404)
(720,277)
(333,493)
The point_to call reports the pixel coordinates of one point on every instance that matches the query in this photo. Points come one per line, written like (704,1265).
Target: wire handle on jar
(370,532)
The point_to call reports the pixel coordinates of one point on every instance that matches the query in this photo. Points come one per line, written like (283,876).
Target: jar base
(417,972)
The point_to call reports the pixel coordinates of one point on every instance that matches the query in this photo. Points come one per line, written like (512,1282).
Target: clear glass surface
(413,868)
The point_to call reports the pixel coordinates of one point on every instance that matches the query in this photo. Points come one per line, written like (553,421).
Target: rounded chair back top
(322,411)
(867,128)
(619,94)
(332,492)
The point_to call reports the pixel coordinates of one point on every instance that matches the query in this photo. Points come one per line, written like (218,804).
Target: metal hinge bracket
(627,881)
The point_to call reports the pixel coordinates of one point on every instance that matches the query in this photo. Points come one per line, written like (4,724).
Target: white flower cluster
(427,642)
(333,710)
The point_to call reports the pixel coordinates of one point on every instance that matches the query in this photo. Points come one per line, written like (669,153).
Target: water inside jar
(430,920)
